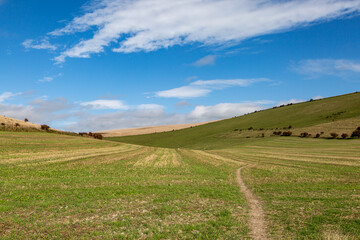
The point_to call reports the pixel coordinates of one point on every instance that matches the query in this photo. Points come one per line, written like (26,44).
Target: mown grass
(214,135)
(99,189)
(310,187)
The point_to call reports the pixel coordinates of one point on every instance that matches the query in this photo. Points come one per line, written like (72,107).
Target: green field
(183,184)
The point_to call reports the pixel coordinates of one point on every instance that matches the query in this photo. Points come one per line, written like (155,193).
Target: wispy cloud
(42,44)
(201,88)
(326,67)
(182,103)
(148,25)
(49,78)
(7,95)
(207,60)
(105,104)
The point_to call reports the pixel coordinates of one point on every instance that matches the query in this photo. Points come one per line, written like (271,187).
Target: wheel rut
(257,220)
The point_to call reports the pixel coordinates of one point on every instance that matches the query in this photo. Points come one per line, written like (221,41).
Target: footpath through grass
(310,187)
(56,187)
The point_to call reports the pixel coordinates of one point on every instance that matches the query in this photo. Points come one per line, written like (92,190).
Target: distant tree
(344,135)
(45,127)
(317,135)
(250,128)
(356,133)
(334,135)
(304,134)
(287,134)
(97,136)
(26,120)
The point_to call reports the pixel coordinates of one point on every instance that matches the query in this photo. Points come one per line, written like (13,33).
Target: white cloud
(317,98)
(42,44)
(155,117)
(207,60)
(49,78)
(223,110)
(293,101)
(105,104)
(182,103)
(148,25)
(184,92)
(46,79)
(39,110)
(201,88)
(326,67)
(149,106)
(7,95)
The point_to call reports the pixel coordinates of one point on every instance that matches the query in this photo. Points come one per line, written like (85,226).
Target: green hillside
(214,135)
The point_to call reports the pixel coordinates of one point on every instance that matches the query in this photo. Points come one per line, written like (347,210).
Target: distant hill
(147,130)
(11,124)
(15,125)
(340,113)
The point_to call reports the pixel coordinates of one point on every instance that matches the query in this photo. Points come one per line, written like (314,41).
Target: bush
(97,136)
(334,135)
(287,134)
(26,120)
(344,135)
(304,134)
(277,133)
(45,127)
(317,135)
(2,124)
(356,133)
(250,128)
(17,125)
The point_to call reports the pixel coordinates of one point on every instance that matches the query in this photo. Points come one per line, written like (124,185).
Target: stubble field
(54,186)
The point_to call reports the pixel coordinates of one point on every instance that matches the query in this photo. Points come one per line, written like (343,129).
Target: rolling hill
(340,113)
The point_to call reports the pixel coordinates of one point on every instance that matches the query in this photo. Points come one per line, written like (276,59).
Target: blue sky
(109,64)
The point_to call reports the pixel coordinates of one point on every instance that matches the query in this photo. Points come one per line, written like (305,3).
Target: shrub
(287,134)
(277,133)
(26,120)
(304,134)
(2,124)
(250,128)
(90,134)
(83,134)
(317,135)
(356,133)
(17,125)
(97,136)
(263,135)
(344,135)
(290,127)
(45,127)
(334,135)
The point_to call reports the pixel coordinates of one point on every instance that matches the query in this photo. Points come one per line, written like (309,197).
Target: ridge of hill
(298,116)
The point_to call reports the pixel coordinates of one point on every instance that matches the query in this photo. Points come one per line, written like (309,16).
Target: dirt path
(257,221)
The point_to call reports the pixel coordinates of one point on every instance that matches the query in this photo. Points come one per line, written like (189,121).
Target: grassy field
(310,188)
(55,186)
